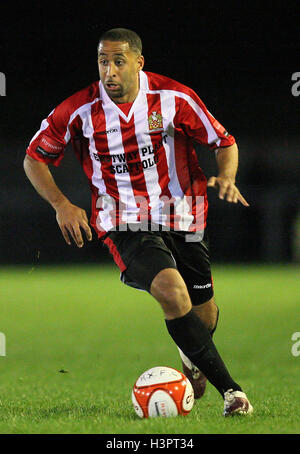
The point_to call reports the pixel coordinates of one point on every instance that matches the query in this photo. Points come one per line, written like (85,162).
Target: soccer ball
(162,391)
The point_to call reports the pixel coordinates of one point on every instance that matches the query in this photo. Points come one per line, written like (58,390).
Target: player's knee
(169,289)
(175,305)
(175,296)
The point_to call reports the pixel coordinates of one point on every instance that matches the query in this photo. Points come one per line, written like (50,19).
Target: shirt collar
(109,103)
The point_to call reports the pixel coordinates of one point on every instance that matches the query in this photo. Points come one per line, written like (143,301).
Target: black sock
(194,339)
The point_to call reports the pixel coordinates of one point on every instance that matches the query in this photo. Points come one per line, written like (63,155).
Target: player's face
(119,70)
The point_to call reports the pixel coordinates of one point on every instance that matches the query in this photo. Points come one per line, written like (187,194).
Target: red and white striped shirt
(141,165)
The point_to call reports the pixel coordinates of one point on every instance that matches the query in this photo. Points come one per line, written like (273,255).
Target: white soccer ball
(162,391)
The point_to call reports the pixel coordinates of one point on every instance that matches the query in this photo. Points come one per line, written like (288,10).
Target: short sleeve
(49,143)
(199,124)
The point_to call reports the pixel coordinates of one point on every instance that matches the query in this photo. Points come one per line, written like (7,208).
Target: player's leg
(194,339)
(208,313)
(169,289)
(188,331)
(193,263)
(151,266)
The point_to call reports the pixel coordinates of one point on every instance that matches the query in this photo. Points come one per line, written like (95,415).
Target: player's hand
(71,219)
(228,189)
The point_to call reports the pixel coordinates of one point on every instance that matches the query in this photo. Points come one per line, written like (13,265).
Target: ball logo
(161,408)
(158,375)
(188,399)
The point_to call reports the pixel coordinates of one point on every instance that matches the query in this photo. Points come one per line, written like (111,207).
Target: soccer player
(133,134)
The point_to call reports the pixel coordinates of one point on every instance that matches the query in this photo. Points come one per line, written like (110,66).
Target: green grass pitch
(77,339)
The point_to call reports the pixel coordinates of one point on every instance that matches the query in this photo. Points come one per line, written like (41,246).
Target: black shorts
(142,255)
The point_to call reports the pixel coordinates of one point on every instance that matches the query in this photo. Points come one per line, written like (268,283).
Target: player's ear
(140,62)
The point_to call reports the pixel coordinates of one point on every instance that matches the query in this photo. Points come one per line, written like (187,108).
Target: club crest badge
(155,121)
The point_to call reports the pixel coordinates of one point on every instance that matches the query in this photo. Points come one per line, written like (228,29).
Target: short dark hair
(123,34)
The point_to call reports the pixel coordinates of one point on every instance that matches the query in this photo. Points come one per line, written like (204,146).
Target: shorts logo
(155,121)
(199,287)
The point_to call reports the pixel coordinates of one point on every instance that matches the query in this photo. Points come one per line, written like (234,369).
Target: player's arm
(70,218)
(227,161)
(199,124)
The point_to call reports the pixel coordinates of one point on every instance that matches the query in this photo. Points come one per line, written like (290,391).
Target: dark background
(238,56)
